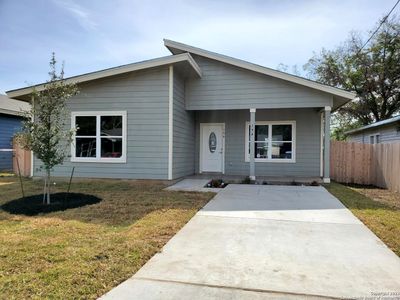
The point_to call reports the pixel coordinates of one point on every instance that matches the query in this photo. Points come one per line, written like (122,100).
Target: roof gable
(341,96)
(224,86)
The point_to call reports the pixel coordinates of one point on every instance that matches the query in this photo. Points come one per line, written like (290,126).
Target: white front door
(212,147)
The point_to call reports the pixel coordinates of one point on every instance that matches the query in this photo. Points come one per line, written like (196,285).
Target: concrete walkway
(268,242)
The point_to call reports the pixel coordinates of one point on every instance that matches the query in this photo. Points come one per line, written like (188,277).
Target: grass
(82,252)
(6,174)
(382,217)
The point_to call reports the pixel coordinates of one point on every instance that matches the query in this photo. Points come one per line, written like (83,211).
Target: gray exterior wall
(144,95)
(223,86)
(308,144)
(183,134)
(387,134)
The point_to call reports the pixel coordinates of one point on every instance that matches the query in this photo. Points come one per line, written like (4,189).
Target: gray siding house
(194,112)
(386,131)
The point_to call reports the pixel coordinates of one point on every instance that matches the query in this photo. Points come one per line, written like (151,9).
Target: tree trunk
(48,188)
(44,190)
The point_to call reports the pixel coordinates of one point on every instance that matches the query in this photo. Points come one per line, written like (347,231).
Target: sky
(90,35)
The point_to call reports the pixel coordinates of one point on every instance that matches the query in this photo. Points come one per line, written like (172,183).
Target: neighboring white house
(197,111)
(386,131)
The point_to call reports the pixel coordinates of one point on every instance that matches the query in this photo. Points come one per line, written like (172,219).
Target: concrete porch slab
(192,185)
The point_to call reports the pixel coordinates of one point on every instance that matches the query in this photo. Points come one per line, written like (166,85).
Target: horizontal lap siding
(387,134)
(8,127)
(144,95)
(307,141)
(183,134)
(356,138)
(227,87)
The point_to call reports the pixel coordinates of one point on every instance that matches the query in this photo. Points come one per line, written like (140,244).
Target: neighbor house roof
(374,125)
(342,96)
(11,106)
(184,60)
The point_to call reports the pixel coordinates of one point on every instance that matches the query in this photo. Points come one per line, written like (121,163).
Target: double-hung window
(99,136)
(273,141)
(374,139)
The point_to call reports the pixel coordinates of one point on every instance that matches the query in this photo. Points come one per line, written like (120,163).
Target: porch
(267,145)
(269,180)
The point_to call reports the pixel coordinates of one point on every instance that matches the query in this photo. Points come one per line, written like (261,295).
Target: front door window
(212,142)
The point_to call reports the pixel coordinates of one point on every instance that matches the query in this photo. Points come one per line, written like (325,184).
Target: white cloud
(264,32)
(78,12)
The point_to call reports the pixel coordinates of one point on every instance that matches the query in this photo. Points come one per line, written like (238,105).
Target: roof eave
(166,60)
(173,46)
(374,125)
(10,112)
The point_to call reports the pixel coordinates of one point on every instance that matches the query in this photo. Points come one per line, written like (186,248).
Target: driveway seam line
(282,220)
(237,288)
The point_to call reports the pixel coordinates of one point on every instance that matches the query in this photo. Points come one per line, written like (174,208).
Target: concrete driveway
(268,242)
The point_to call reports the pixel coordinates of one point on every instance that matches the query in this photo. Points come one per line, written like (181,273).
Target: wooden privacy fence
(377,164)
(24,160)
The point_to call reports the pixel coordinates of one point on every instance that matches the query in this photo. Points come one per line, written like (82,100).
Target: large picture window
(99,137)
(273,141)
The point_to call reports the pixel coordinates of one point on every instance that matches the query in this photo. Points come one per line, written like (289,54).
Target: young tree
(373,72)
(44,127)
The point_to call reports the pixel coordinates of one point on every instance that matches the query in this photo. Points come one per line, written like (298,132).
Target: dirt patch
(381,195)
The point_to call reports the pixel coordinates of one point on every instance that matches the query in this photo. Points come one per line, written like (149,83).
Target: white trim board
(170,120)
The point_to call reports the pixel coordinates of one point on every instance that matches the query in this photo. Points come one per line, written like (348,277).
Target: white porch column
(252,133)
(327,143)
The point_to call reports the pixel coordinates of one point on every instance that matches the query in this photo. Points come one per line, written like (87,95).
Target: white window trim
(98,158)
(377,137)
(374,136)
(271,160)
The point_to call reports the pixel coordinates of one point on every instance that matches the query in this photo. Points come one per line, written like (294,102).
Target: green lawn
(83,252)
(383,218)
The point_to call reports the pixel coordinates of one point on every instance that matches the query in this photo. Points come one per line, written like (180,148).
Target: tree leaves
(373,73)
(44,126)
